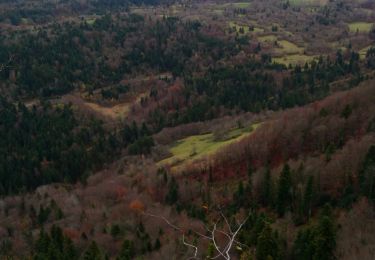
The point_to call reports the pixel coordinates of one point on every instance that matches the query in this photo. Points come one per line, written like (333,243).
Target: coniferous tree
(172,195)
(267,189)
(267,245)
(308,197)
(284,192)
(239,196)
(127,250)
(367,175)
(249,198)
(325,236)
(93,252)
(317,241)
(210,251)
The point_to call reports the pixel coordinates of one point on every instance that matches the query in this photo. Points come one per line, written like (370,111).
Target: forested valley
(187,129)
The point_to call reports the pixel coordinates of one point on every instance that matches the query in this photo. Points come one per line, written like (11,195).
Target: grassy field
(363,52)
(268,38)
(308,2)
(238,27)
(238,5)
(294,59)
(198,146)
(289,47)
(360,27)
(90,21)
(245,28)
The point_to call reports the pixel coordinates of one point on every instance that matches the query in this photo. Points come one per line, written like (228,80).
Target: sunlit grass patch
(243,28)
(294,59)
(308,2)
(198,146)
(90,21)
(238,5)
(267,38)
(363,52)
(238,28)
(289,47)
(360,27)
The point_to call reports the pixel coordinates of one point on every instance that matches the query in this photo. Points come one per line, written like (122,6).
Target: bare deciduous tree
(212,235)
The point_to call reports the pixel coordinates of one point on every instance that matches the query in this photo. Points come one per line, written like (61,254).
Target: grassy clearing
(308,2)
(363,52)
(294,59)
(198,146)
(268,38)
(245,28)
(218,11)
(360,27)
(238,27)
(289,47)
(258,30)
(238,5)
(90,21)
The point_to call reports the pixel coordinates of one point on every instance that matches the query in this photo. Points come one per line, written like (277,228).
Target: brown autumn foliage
(293,134)
(137,206)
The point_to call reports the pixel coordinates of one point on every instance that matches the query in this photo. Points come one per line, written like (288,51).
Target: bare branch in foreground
(221,252)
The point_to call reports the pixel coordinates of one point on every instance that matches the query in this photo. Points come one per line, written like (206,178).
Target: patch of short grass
(267,38)
(245,28)
(362,27)
(198,146)
(90,21)
(238,5)
(289,47)
(308,2)
(363,52)
(238,27)
(294,59)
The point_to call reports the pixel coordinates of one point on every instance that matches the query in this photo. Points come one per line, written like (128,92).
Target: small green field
(294,59)
(238,27)
(90,21)
(308,2)
(238,5)
(360,27)
(198,146)
(268,38)
(245,28)
(363,52)
(289,47)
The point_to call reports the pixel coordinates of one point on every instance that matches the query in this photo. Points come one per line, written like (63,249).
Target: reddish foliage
(71,233)
(300,132)
(137,206)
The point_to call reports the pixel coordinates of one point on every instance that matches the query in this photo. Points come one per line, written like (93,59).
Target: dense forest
(199,130)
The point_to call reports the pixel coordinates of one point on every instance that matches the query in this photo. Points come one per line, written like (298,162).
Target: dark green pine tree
(266,198)
(93,252)
(303,247)
(367,175)
(127,250)
(210,251)
(249,198)
(267,246)
(172,195)
(325,236)
(42,245)
(239,196)
(308,197)
(144,130)
(135,130)
(54,246)
(317,242)
(284,192)
(157,244)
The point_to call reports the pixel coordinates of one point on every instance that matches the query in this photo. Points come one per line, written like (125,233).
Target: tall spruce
(284,192)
